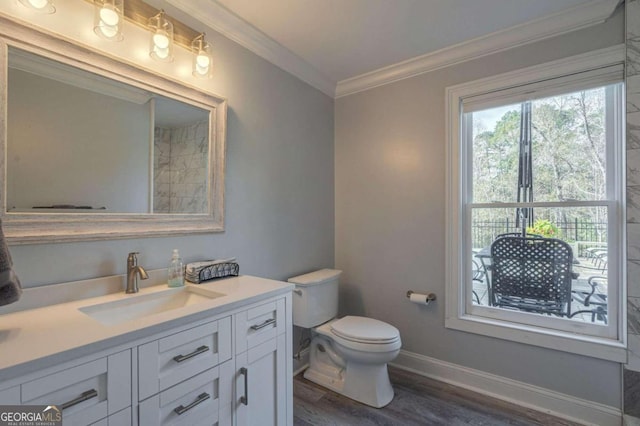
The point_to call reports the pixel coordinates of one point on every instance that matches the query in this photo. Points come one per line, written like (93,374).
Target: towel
(10,288)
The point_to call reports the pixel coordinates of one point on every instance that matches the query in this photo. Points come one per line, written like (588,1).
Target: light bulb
(108,32)
(202,65)
(160,52)
(161,40)
(39,4)
(107,21)
(202,71)
(161,47)
(109,16)
(203,60)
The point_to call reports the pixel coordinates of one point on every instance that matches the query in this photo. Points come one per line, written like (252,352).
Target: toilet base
(365,383)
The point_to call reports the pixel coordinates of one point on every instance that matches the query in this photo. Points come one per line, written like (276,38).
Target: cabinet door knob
(200,350)
(201,398)
(92,393)
(264,324)
(245,399)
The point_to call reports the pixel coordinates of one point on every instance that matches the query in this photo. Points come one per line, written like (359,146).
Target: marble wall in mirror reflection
(180,168)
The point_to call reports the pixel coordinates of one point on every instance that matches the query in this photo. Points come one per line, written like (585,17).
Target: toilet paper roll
(421,299)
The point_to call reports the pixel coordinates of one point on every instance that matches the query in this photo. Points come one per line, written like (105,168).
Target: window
(536,199)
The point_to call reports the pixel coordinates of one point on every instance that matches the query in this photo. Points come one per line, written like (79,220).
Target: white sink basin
(140,306)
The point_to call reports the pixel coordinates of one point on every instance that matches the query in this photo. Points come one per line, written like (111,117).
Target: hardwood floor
(418,401)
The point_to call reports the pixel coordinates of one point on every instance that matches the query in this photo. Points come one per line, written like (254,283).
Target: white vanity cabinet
(87,393)
(263,376)
(229,365)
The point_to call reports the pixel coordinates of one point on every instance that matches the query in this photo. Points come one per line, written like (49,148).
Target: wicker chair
(477,275)
(532,274)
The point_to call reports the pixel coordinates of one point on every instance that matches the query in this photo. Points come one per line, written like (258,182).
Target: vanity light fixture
(165,32)
(202,57)
(108,19)
(161,48)
(42,6)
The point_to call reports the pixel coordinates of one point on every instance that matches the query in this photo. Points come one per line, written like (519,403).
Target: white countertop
(30,337)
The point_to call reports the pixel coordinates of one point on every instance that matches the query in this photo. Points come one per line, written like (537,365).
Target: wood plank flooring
(418,401)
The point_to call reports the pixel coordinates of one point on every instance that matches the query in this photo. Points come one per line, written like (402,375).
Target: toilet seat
(363,343)
(364,330)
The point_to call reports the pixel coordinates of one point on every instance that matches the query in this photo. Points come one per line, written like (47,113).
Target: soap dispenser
(176,271)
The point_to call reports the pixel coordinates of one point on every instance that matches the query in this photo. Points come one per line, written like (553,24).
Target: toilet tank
(315,298)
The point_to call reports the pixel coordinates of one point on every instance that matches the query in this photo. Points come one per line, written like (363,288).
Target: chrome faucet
(133,270)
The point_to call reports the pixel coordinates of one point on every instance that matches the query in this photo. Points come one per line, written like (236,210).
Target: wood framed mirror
(97,149)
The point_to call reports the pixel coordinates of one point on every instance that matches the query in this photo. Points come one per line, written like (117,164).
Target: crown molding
(572,19)
(219,18)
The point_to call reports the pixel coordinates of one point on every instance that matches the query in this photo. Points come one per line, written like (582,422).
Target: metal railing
(484,232)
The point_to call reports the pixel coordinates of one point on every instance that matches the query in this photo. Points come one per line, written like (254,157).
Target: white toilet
(348,355)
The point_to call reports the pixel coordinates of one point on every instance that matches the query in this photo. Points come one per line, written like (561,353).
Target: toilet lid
(365,330)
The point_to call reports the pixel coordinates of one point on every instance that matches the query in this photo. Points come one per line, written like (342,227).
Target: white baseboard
(558,404)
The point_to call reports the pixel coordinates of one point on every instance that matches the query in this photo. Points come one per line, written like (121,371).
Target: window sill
(607,349)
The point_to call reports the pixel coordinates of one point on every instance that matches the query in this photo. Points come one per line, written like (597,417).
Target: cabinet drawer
(10,396)
(175,358)
(201,400)
(123,418)
(85,393)
(258,324)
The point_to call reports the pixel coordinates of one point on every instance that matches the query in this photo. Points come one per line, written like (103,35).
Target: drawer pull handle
(84,397)
(201,398)
(200,350)
(264,324)
(245,399)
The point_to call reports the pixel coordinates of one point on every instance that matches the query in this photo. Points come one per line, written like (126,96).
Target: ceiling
(346,38)
(342,47)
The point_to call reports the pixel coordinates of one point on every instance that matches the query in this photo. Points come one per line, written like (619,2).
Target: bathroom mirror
(99,149)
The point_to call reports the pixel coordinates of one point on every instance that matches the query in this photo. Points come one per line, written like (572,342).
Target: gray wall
(390,219)
(279,212)
(83,139)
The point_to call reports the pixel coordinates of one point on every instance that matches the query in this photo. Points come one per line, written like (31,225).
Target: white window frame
(459,309)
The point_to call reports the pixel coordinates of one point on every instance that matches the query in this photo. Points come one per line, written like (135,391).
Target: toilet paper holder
(428,297)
